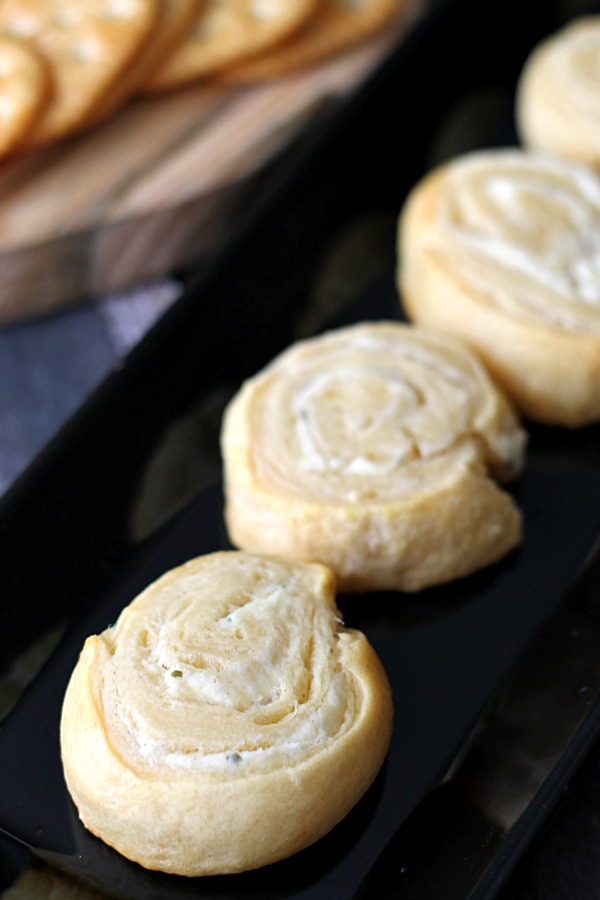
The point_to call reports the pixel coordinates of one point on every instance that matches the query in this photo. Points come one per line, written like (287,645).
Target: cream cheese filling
(310,730)
(257,682)
(366,417)
(525,232)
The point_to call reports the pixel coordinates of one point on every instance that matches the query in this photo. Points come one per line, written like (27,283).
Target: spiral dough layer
(502,249)
(369,449)
(227,720)
(558,94)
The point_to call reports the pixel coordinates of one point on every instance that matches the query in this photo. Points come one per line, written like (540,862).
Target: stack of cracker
(67,66)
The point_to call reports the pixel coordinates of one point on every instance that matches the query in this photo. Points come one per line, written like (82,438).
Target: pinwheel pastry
(558,95)
(227,720)
(370,449)
(502,249)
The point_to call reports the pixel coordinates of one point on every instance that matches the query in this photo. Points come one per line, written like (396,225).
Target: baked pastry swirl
(227,720)
(557,106)
(369,449)
(502,249)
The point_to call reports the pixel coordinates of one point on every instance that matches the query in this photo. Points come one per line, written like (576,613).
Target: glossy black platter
(496,678)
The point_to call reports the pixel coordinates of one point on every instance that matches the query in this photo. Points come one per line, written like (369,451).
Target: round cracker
(336,26)
(87,46)
(226,32)
(174,20)
(24,85)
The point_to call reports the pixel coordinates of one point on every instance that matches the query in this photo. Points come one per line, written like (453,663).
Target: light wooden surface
(154,188)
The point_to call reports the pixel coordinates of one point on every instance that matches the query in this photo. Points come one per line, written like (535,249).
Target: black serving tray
(496,677)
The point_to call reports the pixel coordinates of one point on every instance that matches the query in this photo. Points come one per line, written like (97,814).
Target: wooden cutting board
(153,189)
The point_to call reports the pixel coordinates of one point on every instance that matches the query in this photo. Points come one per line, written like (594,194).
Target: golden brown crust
(86,46)
(24,88)
(497,248)
(369,449)
(227,720)
(225,32)
(174,19)
(335,26)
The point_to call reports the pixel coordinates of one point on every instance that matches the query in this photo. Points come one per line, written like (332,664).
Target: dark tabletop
(51,366)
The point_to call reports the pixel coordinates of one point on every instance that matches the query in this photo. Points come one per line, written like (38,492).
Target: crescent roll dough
(558,95)
(369,449)
(502,249)
(227,720)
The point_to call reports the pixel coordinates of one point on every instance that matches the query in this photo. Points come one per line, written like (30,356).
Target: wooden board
(154,188)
